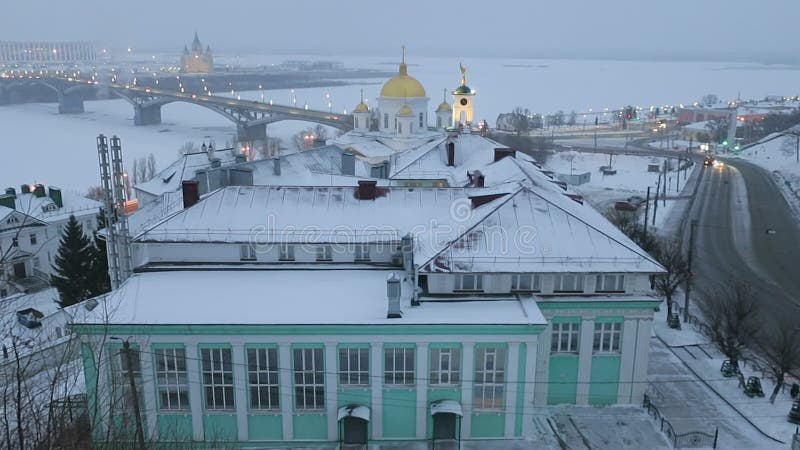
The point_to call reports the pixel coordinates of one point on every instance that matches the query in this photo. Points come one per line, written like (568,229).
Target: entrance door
(355,430)
(19,270)
(444,425)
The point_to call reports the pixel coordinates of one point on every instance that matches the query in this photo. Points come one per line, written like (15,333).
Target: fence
(692,439)
(796,440)
(694,320)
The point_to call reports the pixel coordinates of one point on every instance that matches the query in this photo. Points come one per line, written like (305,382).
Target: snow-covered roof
(32,339)
(318,297)
(44,209)
(514,227)
(183,168)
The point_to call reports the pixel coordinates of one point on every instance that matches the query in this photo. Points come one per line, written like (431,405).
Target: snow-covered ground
(632,178)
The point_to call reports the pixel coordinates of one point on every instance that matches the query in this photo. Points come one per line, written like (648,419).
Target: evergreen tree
(73,264)
(100,283)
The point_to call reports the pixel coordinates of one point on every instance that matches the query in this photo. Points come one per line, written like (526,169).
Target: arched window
(421,120)
(385,120)
(399,127)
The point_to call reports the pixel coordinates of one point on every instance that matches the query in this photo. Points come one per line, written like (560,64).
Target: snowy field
(44,147)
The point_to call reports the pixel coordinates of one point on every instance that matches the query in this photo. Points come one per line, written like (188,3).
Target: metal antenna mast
(118,183)
(108,211)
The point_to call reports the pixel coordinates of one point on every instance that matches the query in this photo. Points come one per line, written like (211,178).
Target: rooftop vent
(38,190)
(25,189)
(367,189)
(191,193)
(8,201)
(393,293)
(11,191)
(216,163)
(30,318)
(276,167)
(451,154)
(476,178)
(480,200)
(240,158)
(55,195)
(500,153)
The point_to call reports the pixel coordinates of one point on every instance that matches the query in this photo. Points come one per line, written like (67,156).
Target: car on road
(708,161)
(717,163)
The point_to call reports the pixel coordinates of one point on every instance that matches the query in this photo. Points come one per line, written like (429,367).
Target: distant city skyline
(623,29)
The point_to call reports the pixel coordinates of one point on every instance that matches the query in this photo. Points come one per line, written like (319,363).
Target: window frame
(175,378)
(316,370)
(483,370)
(601,282)
(572,332)
(348,371)
(121,395)
(285,252)
(534,278)
(607,338)
(33,239)
(327,253)
(476,286)
(399,375)
(421,120)
(558,283)
(259,364)
(247,252)
(452,372)
(218,377)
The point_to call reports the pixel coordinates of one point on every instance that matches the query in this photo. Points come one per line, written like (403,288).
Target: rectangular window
(247,252)
(398,368)
(565,337)
(526,282)
(490,366)
(262,378)
(286,252)
(607,337)
(122,395)
(445,366)
(33,239)
(362,253)
(217,378)
(469,282)
(309,379)
(171,379)
(568,283)
(354,366)
(609,283)
(421,121)
(385,120)
(324,253)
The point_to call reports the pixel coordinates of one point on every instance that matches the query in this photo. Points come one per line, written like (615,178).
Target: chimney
(348,164)
(500,153)
(202,178)
(191,193)
(276,166)
(242,176)
(407,247)
(451,154)
(38,190)
(8,201)
(366,189)
(393,292)
(478,179)
(55,195)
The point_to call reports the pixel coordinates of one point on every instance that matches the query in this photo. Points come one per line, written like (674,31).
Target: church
(197,60)
(402,110)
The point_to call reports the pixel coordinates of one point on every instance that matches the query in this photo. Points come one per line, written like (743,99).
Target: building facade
(368,315)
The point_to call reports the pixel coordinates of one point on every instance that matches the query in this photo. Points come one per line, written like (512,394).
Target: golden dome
(405,111)
(361,107)
(444,106)
(402,85)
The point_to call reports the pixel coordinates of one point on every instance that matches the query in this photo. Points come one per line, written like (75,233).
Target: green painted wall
(90,377)
(439,394)
(174,427)
(562,386)
(220,427)
(399,413)
(310,426)
(265,427)
(488,425)
(354,396)
(604,386)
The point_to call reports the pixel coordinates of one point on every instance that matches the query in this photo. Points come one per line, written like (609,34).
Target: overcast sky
(762,30)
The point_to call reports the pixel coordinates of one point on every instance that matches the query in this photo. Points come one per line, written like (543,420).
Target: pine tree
(73,264)
(99,283)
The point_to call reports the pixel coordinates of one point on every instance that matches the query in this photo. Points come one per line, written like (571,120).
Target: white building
(31,223)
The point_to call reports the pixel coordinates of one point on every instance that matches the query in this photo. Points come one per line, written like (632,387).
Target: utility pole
(646,211)
(689,275)
(126,348)
(664,197)
(655,202)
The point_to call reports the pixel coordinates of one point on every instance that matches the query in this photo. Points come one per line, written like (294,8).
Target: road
(734,207)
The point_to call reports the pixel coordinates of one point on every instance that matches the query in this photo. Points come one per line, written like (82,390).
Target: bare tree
(780,352)
(151,166)
(95,193)
(669,253)
(320,132)
(573,118)
(709,99)
(187,147)
(520,121)
(731,319)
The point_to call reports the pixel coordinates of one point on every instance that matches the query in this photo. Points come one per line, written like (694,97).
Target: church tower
(463,101)
(444,113)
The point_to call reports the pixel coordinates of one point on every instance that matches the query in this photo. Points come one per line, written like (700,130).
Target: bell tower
(463,101)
